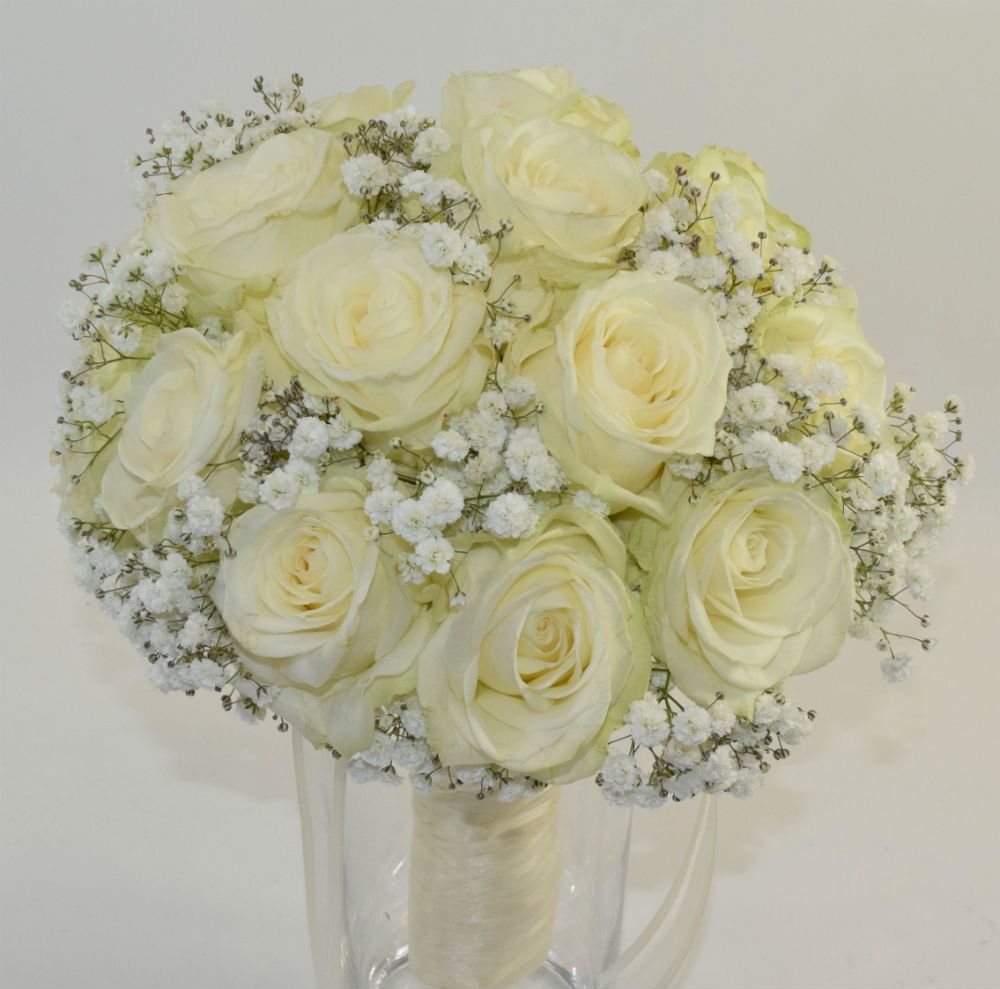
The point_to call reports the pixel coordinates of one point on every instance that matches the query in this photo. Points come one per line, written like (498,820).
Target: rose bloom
(565,189)
(366,319)
(547,91)
(541,664)
(90,456)
(633,373)
(185,410)
(744,179)
(317,610)
(239,223)
(347,111)
(747,586)
(813,332)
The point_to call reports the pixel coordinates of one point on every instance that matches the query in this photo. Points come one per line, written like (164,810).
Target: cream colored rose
(348,110)
(599,116)
(633,373)
(811,332)
(244,220)
(186,409)
(81,468)
(317,610)
(366,319)
(564,189)
(740,176)
(540,665)
(521,94)
(751,584)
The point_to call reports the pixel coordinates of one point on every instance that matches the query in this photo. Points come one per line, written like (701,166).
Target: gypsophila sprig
(125,299)
(295,438)
(388,168)
(190,143)
(674,750)
(159,597)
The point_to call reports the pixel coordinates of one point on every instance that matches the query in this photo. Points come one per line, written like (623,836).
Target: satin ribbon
(484,880)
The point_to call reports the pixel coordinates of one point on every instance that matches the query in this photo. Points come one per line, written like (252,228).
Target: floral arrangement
(480,453)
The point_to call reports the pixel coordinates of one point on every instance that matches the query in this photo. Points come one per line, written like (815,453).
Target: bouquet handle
(651,960)
(655,956)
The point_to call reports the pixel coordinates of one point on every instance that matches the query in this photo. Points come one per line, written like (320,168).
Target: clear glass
(356,840)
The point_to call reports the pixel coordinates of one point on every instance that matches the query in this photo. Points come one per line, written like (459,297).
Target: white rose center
(539,166)
(366,310)
(637,363)
(552,650)
(540,648)
(309,574)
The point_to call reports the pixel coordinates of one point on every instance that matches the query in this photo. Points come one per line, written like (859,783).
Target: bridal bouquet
(481,452)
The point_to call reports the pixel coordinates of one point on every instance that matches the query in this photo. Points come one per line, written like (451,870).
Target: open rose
(813,332)
(634,372)
(565,189)
(366,319)
(746,587)
(540,666)
(186,410)
(718,170)
(241,222)
(346,111)
(547,91)
(317,610)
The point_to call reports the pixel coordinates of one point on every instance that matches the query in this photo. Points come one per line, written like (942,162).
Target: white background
(151,842)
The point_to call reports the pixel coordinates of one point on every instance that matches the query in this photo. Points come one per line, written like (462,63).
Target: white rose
(541,664)
(745,182)
(634,373)
(811,332)
(348,110)
(185,410)
(564,188)
(751,584)
(369,321)
(81,468)
(521,93)
(547,91)
(317,610)
(242,221)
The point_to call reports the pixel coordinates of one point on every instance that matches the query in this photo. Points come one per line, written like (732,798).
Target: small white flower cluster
(119,293)
(400,750)
(675,243)
(201,523)
(898,500)
(400,743)
(154,596)
(187,143)
(387,167)
(490,472)
(671,231)
(295,438)
(678,751)
(770,421)
(158,596)
(420,520)
(366,175)
(467,257)
(121,300)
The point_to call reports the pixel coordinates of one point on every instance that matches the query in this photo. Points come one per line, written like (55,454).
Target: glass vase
(409,890)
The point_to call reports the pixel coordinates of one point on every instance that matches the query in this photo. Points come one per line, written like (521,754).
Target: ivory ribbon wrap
(484,880)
